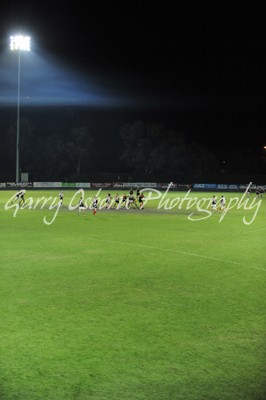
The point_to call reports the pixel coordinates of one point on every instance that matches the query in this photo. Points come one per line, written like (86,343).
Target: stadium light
(19,43)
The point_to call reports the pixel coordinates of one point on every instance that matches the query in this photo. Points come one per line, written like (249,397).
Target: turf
(137,304)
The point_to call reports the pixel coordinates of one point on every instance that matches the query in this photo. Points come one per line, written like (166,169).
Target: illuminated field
(137,304)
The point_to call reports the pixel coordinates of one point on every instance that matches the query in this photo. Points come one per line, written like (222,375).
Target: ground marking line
(178,252)
(244,233)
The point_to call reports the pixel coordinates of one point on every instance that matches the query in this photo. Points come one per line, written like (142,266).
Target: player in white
(108,201)
(82,207)
(61,197)
(116,201)
(213,203)
(95,205)
(222,203)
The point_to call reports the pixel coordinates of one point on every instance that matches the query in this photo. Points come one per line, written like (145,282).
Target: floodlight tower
(19,43)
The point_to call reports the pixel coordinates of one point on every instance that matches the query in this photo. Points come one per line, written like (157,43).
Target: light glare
(20,42)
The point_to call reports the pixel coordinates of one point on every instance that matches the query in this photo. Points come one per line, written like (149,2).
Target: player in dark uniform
(82,207)
(116,201)
(20,197)
(213,203)
(108,200)
(138,192)
(258,191)
(61,197)
(140,198)
(132,202)
(95,205)
(131,192)
(261,192)
(124,200)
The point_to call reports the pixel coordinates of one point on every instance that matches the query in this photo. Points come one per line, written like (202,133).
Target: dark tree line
(152,149)
(148,149)
(50,156)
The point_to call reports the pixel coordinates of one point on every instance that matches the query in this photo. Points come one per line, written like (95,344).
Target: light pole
(18,43)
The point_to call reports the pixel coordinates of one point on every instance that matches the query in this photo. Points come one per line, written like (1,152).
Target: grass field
(132,305)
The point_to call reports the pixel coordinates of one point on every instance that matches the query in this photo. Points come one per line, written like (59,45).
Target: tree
(152,149)
(79,148)
(52,159)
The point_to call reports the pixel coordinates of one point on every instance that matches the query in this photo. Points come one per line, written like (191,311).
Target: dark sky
(206,72)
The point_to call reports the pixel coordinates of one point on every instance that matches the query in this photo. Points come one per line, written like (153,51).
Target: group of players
(130,201)
(259,191)
(125,201)
(20,196)
(117,202)
(218,206)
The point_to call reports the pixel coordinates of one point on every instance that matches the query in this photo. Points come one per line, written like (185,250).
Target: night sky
(204,76)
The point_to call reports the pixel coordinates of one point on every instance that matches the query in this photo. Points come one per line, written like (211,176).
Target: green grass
(132,305)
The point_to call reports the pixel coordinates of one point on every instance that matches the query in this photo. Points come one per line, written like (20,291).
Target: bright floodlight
(20,42)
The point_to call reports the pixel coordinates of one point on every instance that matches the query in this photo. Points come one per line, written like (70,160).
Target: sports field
(153,304)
